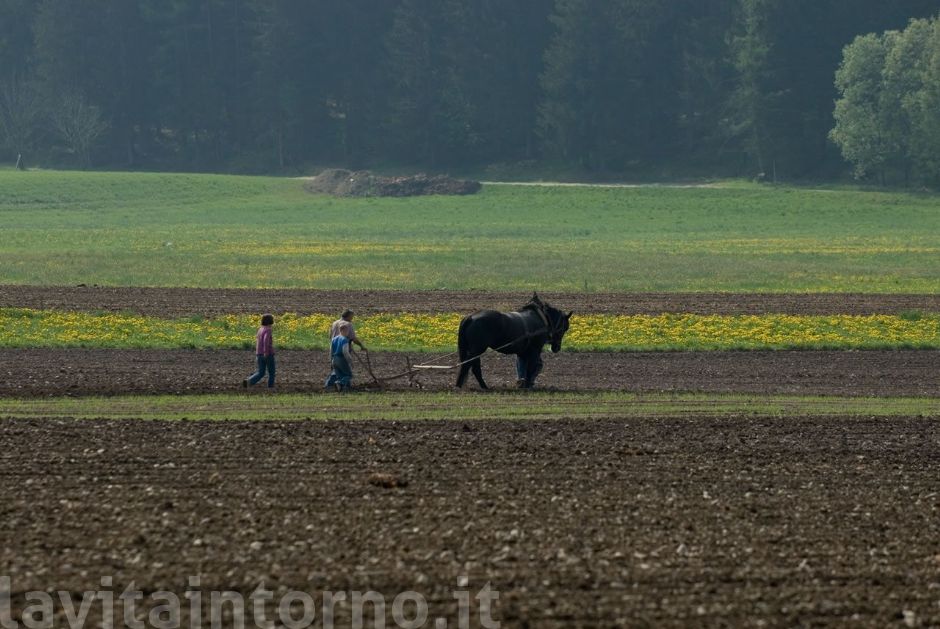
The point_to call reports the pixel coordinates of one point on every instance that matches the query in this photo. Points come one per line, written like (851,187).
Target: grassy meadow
(144,229)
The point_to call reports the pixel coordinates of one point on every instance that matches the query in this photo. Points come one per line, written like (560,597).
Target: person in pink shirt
(264,350)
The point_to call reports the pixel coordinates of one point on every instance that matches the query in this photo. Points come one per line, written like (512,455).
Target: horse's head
(556,320)
(558,323)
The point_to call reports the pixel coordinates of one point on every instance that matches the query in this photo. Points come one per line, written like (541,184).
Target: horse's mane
(537,305)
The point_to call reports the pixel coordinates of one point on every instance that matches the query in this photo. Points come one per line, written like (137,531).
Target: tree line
(888,113)
(665,88)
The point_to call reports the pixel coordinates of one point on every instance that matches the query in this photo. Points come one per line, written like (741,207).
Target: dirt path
(38,372)
(662,523)
(181,302)
(562,184)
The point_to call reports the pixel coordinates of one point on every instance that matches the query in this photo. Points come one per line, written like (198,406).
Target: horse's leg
(522,371)
(462,376)
(478,372)
(538,366)
(534,363)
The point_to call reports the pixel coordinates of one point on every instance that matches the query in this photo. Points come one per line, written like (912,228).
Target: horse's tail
(463,348)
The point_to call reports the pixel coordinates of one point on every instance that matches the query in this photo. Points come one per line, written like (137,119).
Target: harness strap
(544,318)
(525,323)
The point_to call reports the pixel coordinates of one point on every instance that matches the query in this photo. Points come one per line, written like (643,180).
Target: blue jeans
(265,363)
(528,367)
(341,374)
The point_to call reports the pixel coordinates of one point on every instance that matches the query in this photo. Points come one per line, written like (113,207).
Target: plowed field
(647,523)
(51,372)
(180,302)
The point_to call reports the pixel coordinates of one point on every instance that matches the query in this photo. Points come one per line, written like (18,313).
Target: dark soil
(181,302)
(51,372)
(646,523)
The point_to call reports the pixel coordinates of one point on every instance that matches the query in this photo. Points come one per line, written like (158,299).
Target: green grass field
(132,229)
(466,406)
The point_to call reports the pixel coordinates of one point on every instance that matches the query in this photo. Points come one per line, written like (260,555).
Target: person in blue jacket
(341,361)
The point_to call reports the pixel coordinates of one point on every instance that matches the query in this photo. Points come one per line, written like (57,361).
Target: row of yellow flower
(437,332)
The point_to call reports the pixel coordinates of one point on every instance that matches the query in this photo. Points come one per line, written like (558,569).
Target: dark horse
(523,333)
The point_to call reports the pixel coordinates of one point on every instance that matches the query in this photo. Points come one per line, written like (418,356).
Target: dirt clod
(386,480)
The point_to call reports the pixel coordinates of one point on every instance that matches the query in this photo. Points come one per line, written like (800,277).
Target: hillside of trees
(620,88)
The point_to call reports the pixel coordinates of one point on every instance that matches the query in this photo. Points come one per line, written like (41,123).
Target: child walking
(341,360)
(264,350)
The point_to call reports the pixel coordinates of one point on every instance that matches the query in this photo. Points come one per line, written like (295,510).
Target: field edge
(462,406)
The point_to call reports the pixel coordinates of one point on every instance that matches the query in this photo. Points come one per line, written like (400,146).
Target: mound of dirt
(362,183)
(387,481)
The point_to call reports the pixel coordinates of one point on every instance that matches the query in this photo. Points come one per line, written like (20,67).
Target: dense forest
(619,88)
